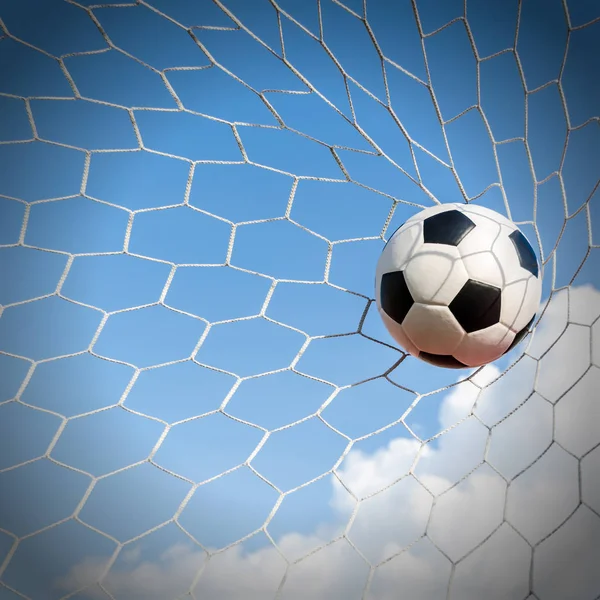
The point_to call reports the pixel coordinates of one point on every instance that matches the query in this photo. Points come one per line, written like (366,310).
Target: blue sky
(151,247)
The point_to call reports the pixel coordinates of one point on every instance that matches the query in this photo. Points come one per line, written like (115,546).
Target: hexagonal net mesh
(198,399)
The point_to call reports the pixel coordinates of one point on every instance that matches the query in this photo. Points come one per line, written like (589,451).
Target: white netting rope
(548,258)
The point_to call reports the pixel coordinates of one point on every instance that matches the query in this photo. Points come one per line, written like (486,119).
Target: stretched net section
(197,397)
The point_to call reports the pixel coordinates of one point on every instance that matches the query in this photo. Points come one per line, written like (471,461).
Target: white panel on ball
(483,266)
(401,246)
(399,335)
(481,238)
(433,329)
(520,302)
(484,346)
(435,274)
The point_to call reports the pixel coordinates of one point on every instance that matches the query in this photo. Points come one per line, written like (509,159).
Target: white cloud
(500,567)
(236,575)
(365,474)
(391,520)
(168,577)
(459,402)
(464,522)
(460,451)
(424,572)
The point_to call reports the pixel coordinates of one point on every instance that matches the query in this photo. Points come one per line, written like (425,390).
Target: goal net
(198,398)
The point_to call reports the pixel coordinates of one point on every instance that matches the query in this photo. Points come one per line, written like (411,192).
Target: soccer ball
(458,285)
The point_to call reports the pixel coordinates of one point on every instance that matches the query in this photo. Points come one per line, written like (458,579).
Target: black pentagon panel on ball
(395,296)
(476,306)
(520,335)
(442,360)
(524,252)
(449,227)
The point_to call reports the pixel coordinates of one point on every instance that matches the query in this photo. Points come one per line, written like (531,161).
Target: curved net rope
(481,484)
